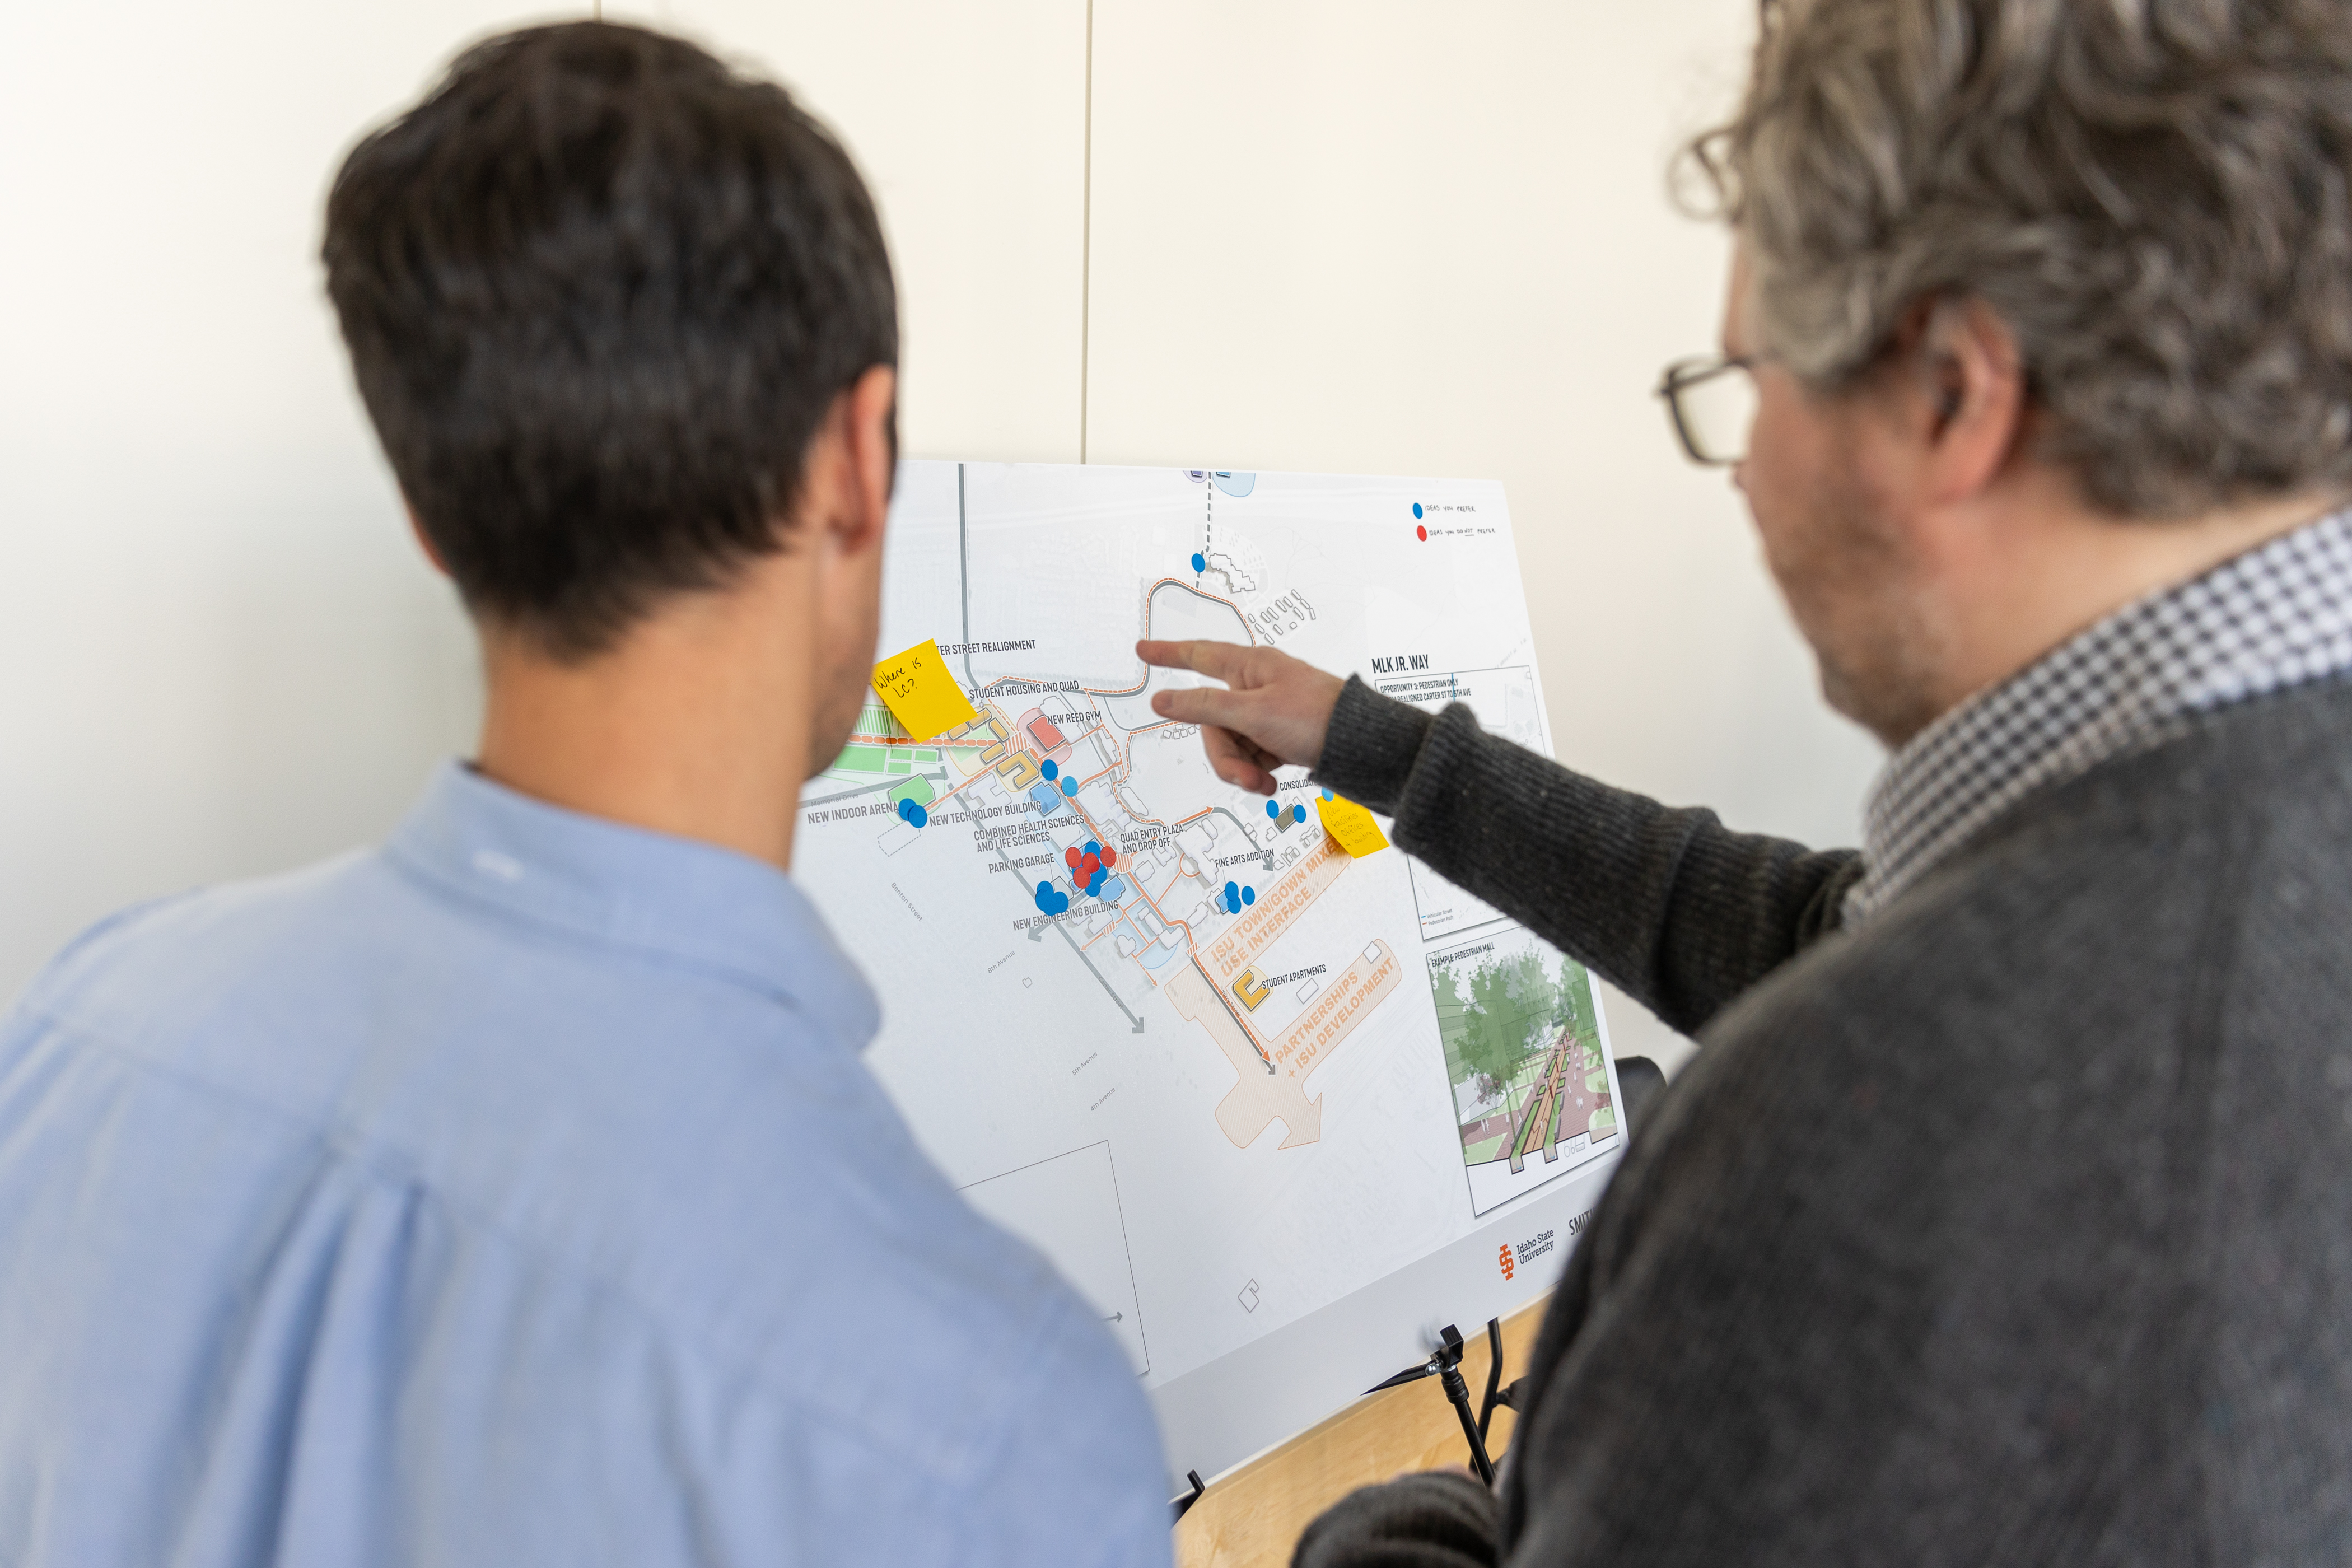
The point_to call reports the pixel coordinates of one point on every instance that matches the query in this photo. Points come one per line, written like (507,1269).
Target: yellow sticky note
(1351,825)
(920,691)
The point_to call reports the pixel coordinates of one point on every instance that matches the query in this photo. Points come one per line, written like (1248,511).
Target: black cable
(1494,1375)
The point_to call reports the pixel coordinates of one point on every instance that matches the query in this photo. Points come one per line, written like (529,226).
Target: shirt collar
(693,904)
(2278,616)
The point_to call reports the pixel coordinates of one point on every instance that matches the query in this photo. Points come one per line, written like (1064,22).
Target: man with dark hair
(514,1193)
(2003,1216)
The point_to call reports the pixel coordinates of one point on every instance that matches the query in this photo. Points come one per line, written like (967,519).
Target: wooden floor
(1252,1516)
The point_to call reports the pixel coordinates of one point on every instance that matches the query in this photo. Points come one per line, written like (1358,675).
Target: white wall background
(1376,236)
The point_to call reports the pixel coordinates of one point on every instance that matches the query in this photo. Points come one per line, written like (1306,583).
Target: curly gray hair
(2156,196)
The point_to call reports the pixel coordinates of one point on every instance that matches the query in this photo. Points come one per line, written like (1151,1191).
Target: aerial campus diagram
(1172,1034)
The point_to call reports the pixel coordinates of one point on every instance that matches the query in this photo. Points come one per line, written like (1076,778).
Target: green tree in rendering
(1509,1017)
(1452,1026)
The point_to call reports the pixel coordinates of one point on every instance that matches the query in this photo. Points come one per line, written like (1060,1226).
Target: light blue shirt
(515,1195)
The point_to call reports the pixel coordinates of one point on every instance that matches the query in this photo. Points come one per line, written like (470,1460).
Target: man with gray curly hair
(2003,1216)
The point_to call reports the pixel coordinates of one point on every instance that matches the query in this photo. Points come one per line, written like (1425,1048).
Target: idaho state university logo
(1503,1258)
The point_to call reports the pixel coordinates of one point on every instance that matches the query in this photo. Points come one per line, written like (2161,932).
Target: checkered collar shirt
(2275,617)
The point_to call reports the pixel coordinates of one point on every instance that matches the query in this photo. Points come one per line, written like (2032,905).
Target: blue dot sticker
(1199,562)
(1298,814)
(1249,895)
(1069,786)
(1272,811)
(1416,509)
(1050,768)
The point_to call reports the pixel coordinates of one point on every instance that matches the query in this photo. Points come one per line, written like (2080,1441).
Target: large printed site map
(1235,1082)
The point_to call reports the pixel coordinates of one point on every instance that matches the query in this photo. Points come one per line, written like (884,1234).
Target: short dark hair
(600,291)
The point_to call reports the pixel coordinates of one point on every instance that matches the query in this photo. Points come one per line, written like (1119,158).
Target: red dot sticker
(1422,530)
(1071,855)
(1109,856)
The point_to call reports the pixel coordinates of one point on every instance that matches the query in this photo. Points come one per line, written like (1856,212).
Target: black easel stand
(1445,1365)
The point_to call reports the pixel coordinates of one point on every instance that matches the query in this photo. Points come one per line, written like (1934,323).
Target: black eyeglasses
(1713,403)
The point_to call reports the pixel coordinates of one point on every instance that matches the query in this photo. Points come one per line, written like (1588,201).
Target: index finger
(1217,660)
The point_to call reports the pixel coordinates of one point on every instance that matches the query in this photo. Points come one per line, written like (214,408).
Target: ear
(868,417)
(1973,401)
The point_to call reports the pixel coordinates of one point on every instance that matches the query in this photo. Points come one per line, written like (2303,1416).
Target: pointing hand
(1274,710)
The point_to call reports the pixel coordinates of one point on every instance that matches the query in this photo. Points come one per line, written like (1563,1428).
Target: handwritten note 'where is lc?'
(920,693)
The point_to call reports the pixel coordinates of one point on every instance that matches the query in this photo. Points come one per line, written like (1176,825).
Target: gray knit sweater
(2012,1226)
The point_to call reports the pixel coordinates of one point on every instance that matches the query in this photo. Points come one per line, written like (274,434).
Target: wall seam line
(1087,244)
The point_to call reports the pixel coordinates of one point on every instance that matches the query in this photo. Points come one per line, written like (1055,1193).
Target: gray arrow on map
(852,794)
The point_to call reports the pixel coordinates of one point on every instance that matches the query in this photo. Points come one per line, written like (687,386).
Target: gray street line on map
(1236,1018)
